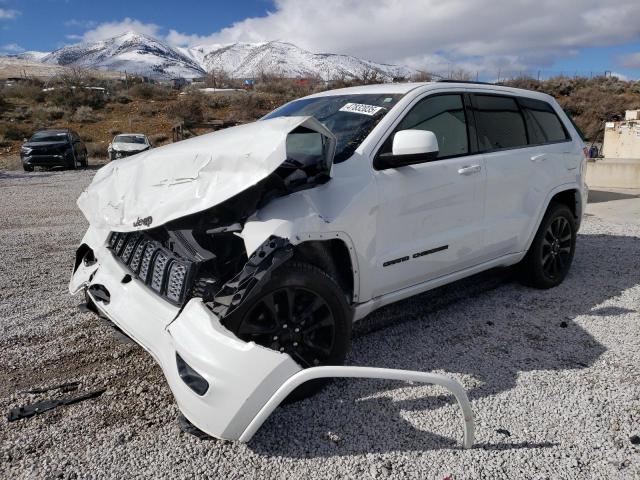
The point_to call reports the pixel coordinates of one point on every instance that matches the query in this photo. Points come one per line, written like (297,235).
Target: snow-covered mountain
(130,52)
(141,54)
(32,55)
(251,59)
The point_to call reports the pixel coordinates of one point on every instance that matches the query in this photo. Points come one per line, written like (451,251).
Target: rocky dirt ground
(553,376)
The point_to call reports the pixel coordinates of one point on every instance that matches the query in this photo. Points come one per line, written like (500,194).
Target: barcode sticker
(361,108)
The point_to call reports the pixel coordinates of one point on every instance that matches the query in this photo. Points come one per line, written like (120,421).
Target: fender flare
(559,189)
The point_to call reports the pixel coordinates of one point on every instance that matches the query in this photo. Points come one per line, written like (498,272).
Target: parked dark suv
(52,148)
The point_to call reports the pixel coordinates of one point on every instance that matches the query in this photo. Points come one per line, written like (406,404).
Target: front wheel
(27,168)
(301,311)
(550,256)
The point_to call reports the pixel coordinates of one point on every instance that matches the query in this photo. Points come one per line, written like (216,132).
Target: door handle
(469,169)
(541,157)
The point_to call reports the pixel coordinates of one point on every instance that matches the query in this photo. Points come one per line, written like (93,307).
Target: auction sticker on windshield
(361,108)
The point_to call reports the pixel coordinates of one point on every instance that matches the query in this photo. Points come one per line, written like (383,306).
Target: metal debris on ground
(65,387)
(28,411)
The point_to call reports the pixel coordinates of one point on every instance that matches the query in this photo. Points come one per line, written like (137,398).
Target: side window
(543,123)
(444,116)
(499,123)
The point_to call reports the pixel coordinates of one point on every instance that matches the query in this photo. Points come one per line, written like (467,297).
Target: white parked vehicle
(240,258)
(127,144)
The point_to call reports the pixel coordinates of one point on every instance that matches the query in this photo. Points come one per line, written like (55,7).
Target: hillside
(152,109)
(590,101)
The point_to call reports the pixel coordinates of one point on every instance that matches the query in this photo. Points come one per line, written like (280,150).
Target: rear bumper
(241,376)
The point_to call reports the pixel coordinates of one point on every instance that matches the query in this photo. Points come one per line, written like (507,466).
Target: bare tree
(461,74)
(422,76)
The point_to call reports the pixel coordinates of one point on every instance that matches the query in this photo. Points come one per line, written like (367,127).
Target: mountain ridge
(144,55)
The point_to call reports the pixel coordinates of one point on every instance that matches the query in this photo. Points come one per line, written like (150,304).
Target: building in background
(622,139)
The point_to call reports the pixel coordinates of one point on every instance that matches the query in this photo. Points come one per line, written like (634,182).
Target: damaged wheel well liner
(258,269)
(333,257)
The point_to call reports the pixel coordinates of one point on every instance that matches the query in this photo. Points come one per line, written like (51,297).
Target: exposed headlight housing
(26,150)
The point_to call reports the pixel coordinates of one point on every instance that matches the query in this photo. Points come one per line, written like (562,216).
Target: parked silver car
(127,144)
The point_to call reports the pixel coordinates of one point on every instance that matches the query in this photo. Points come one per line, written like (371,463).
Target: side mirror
(409,147)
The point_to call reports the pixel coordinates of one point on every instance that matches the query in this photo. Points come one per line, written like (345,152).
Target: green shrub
(27,91)
(147,91)
(11,131)
(72,98)
(85,114)
(158,139)
(189,108)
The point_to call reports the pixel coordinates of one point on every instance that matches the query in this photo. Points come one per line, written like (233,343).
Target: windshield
(349,117)
(49,137)
(130,139)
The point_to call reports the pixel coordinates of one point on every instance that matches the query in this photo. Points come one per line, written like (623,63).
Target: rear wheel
(300,311)
(550,256)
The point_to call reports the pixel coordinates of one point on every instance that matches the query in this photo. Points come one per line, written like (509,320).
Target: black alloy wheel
(300,311)
(556,248)
(295,321)
(550,255)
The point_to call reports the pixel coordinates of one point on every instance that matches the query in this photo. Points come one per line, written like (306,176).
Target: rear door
(523,151)
(431,213)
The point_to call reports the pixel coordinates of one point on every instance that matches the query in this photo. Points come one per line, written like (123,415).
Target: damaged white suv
(241,257)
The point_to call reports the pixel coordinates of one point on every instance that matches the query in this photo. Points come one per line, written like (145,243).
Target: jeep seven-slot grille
(160,269)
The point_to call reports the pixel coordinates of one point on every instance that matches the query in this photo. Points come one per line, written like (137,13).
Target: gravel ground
(553,376)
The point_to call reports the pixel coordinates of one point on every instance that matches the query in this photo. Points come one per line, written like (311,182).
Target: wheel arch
(569,195)
(336,256)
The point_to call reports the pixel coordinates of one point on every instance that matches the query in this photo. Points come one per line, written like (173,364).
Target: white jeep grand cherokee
(241,257)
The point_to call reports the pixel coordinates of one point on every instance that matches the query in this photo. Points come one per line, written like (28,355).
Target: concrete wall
(618,173)
(622,141)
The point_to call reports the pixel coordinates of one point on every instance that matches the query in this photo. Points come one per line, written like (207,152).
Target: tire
(549,258)
(27,168)
(298,308)
(85,161)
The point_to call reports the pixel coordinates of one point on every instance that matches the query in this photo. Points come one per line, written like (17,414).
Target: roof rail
(447,80)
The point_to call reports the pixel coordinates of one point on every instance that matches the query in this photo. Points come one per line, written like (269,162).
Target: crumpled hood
(128,147)
(169,182)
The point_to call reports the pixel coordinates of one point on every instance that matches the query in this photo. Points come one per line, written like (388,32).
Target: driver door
(431,213)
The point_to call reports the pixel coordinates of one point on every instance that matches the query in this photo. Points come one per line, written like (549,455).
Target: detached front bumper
(244,381)
(241,376)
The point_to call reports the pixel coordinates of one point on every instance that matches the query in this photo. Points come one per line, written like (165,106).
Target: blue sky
(44,24)
(485,36)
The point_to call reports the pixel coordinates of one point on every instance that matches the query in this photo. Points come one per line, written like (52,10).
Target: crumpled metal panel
(166,183)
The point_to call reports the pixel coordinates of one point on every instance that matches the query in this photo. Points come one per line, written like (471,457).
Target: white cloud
(621,76)
(10,48)
(480,34)
(86,24)
(112,29)
(7,14)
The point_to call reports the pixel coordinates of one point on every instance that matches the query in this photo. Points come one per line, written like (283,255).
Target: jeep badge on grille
(146,221)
